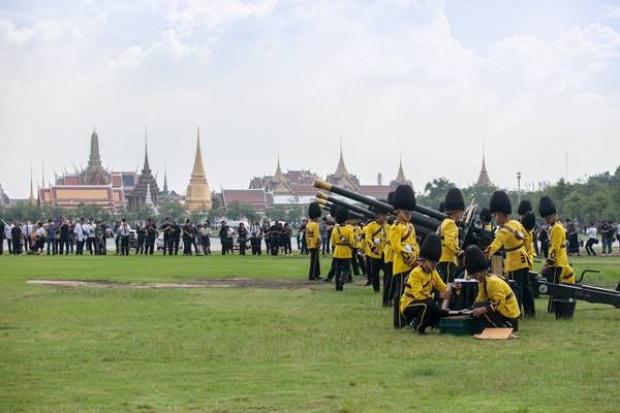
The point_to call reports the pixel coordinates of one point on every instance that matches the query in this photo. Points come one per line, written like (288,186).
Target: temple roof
(483,177)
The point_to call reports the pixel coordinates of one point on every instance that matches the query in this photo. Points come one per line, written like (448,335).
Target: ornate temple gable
(400,178)
(342,177)
(198,197)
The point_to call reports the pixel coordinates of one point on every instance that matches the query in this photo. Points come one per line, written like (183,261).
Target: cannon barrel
(328,204)
(417,218)
(366,213)
(361,212)
(381,206)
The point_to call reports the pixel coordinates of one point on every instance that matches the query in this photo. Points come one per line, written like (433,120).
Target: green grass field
(307,349)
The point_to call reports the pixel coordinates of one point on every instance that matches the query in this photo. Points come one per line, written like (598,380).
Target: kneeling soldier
(496,303)
(416,304)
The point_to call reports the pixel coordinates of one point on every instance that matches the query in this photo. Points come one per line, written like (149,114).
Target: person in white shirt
(26,233)
(123,231)
(7,234)
(592,239)
(80,236)
(618,234)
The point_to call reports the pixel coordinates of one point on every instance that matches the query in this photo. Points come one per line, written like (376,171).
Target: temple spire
(95,158)
(198,170)
(483,177)
(31,197)
(165,190)
(279,176)
(146,168)
(198,197)
(341,170)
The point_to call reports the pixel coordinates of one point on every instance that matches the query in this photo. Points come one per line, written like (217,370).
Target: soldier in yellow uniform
(510,237)
(357,258)
(496,303)
(454,206)
(343,241)
(374,239)
(388,258)
(527,215)
(417,304)
(313,240)
(404,245)
(557,268)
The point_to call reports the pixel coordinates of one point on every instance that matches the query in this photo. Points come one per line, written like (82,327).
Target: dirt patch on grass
(213,283)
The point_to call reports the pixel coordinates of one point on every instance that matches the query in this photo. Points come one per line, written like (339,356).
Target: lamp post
(518,187)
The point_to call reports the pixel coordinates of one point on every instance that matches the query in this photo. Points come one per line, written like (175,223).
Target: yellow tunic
(557,252)
(420,285)
(374,239)
(358,235)
(313,238)
(449,233)
(510,236)
(388,253)
(500,295)
(528,242)
(343,240)
(404,246)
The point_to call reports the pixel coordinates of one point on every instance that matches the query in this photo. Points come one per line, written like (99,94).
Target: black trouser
(421,314)
(173,245)
(552,274)
(315,268)
(17,246)
(544,247)
(376,265)
(388,293)
(1,243)
(150,245)
(187,246)
(242,246)
(124,244)
(357,261)
(89,245)
(64,243)
(51,246)
(447,271)
(285,242)
(79,248)
(166,243)
(117,242)
(342,272)
(9,245)
(398,287)
(589,244)
(525,295)
(255,243)
(140,245)
(495,319)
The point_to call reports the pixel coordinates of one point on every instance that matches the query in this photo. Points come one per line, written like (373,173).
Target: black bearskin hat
(431,248)
(454,201)
(524,206)
(390,198)
(485,215)
(500,203)
(314,210)
(529,220)
(546,207)
(342,215)
(404,198)
(475,261)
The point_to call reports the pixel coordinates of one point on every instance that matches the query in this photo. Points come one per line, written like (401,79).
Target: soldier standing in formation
(313,240)
(556,268)
(404,246)
(343,240)
(454,206)
(374,237)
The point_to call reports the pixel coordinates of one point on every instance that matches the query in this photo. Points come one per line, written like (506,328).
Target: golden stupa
(198,198)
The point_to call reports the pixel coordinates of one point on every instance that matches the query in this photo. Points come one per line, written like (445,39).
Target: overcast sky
(535,82)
